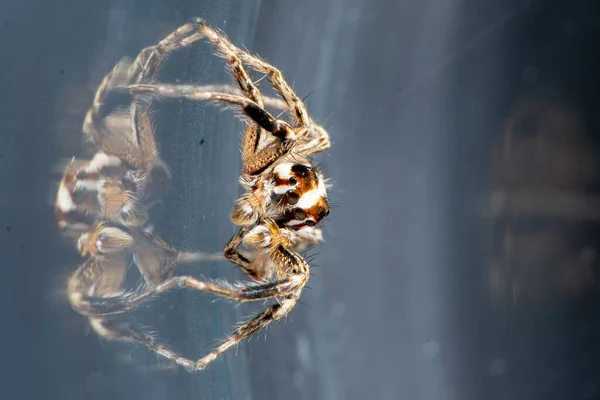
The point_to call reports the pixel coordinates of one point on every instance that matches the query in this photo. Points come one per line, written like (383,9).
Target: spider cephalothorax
(294,194)
(303,195)
(284,197)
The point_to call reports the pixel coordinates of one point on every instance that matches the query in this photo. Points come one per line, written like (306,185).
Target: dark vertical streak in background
(412,92)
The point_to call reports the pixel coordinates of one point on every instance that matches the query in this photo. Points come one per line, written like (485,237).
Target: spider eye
(323,214)
(292,197)
(300,170)
(310,223)
(293,181)
(299,215)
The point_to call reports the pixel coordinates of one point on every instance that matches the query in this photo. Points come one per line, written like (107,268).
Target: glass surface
(460,261)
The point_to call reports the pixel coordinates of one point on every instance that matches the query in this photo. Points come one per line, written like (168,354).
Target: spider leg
(289,264)
(254,163)
(231,252)
(250,141)
(262,117)
(259,322)
(240,74)
(99,164)
(119,303)
(320,142)
(103,277)
(157,259)
(111,246)
(143,70)
(112,133)
(229,50)
(96,277)
(293,273)
(286,291)
(145,135)
(145,67)
(122,332)
(83,282)
(149,159)
(93,291)
(268,101)
(251,136)
(307,238)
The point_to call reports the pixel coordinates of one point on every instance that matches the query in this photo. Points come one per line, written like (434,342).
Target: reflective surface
(461,260)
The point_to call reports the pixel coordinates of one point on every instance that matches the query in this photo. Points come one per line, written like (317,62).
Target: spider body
(294,194)
(284,197)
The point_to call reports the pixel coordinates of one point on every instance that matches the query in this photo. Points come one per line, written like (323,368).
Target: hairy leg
(259,322)
(122,302)
(316,144)
(231,252)
(251,137)
(122,332)
(229,50)
(259,115)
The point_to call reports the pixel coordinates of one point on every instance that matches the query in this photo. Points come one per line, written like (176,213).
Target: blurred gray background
(416,95)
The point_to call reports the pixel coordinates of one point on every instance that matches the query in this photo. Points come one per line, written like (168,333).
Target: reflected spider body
(97,189)
(126,175)
(103,203)
(285,195)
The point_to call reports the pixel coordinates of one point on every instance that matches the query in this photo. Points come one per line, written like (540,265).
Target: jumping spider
(285,194)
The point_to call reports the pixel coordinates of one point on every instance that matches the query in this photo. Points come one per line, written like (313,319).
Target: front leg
(97,277)
(260,269)
(123,301)
(251,109)
(232,253)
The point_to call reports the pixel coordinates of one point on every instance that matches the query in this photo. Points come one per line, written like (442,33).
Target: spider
(285,195)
